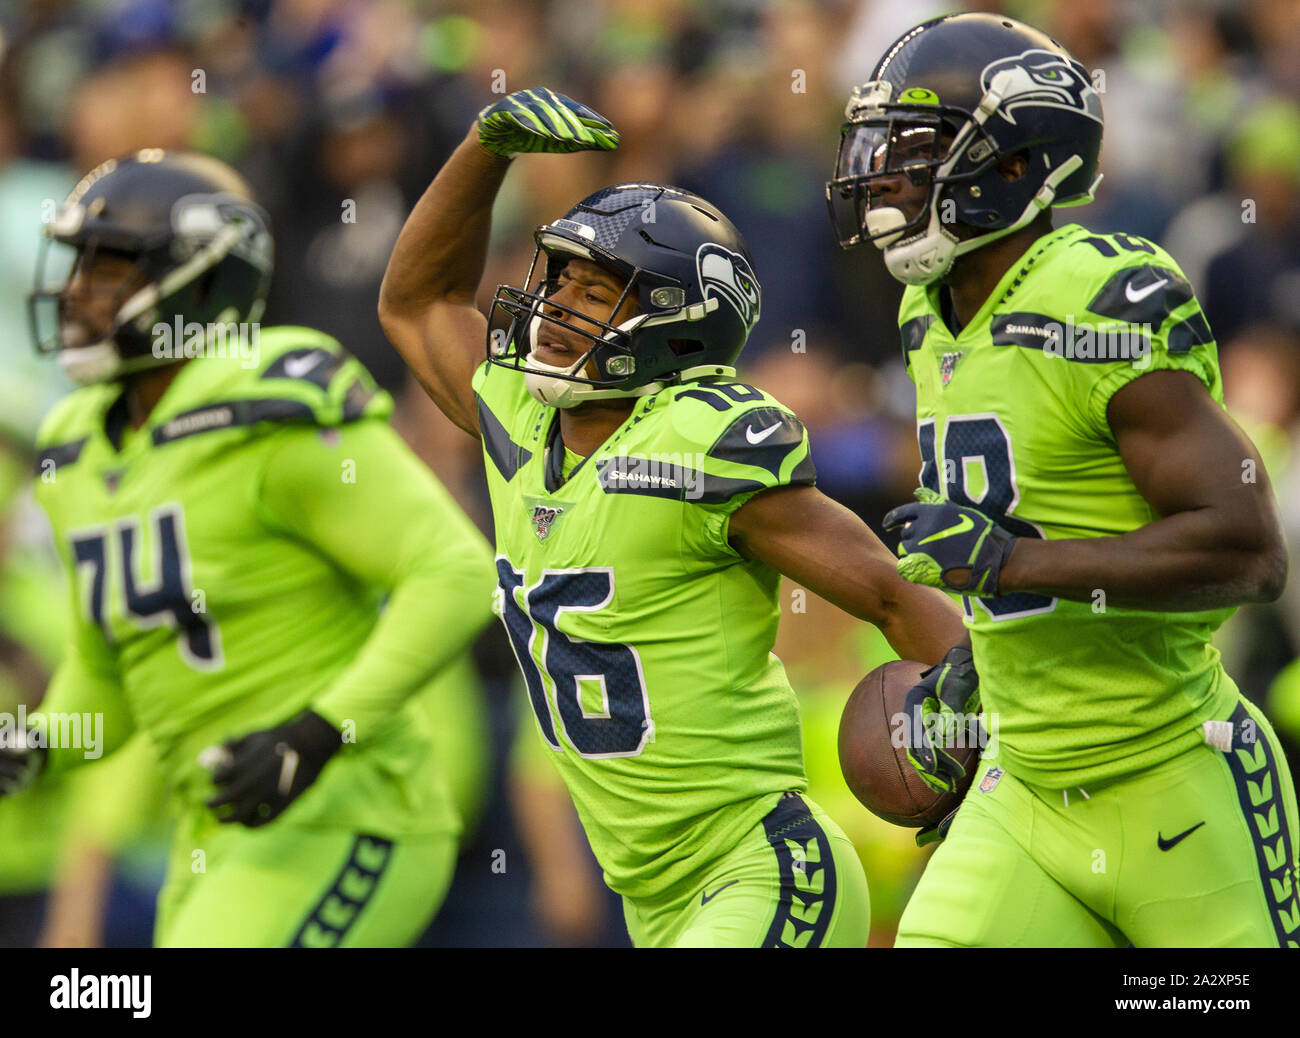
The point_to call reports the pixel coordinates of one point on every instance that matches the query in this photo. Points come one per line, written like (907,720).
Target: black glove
(20,764)
(263,773)
(948,692)
(938,537)
(936,833)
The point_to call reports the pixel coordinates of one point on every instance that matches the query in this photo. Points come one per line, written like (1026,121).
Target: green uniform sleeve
(762,447)
(1154,304)
(87,682)
(114,805)
(369,505)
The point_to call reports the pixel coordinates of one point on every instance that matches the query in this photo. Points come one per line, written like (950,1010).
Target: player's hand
(542,120)
(20,763)
(939,537)
(947,697)
(261,774)
(936,833)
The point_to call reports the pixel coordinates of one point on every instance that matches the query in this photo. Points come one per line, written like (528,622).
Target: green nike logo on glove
(961,526)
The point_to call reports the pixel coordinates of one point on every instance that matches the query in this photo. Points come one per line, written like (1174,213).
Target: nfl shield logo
(112,479)
(544,517)
(991,779)
(946,366)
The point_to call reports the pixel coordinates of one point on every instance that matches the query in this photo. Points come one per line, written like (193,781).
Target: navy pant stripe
(803,853)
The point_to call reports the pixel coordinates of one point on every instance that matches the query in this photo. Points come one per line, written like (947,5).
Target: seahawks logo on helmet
(1041,78)
(728,274)
(198,218)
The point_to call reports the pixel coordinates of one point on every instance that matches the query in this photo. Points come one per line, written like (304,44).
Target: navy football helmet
(949,101)
(684,263)
(188,223)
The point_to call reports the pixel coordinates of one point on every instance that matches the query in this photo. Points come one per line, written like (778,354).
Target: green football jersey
(644,638)
(214,602)
(1011,419)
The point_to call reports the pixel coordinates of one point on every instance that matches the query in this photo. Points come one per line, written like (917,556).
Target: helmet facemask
(882,138)
(611,349)
(177,268)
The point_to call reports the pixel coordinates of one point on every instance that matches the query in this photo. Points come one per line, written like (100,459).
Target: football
(873,751)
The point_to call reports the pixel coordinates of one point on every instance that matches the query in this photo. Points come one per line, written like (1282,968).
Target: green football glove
(542,120)
(945,699)
(938,537)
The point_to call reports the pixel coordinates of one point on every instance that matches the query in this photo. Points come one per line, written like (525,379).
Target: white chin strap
(929,256)
(544,385)
(88,365)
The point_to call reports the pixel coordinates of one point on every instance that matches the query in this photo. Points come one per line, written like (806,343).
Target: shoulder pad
(1125,278)
(73,417)
(302,375)
(309,367)
(746,438)
(762,437)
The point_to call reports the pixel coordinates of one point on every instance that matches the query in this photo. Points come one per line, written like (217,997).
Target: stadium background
(340,111)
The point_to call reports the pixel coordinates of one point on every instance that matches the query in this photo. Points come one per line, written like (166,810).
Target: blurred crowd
(340,111)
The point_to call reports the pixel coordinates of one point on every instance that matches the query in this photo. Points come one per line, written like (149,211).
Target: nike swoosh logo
(1164,844)
(960,526)
(296,367)
(759,437)
(706,898)
(1142,293)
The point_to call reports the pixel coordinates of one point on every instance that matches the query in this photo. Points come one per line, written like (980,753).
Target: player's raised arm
(819,543)
(426,303)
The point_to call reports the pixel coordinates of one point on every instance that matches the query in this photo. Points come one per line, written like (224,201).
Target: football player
(231,524)
(1087,494)
(646,504)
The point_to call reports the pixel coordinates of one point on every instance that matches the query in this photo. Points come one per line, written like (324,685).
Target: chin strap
(929,258)
(1042,200)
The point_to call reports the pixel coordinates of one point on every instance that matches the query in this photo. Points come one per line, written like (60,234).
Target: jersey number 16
(622,726)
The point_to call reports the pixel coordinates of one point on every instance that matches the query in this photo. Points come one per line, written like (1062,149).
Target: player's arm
(426,302)
(392,527)
(86,683)
(1218,541)
(397,528)
(819,543)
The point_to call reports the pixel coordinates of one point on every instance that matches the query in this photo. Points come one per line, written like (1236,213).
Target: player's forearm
(1183,563)
(820,544)
(921,623)
(82,702)
(442,249)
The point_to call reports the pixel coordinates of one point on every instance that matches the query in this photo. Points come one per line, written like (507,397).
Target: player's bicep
(443,346)
(1181,449)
